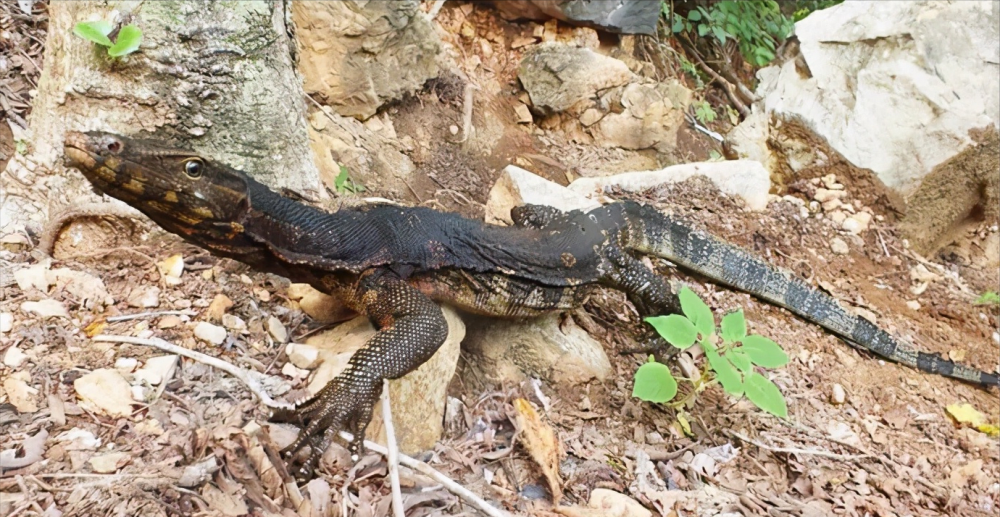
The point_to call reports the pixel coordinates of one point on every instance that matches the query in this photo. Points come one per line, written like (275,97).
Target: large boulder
(902,89)
(621,16)
(359,55)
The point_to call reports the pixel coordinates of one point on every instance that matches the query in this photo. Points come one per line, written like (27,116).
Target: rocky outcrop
(621,16)
(359,55)
(900,88)
(597,98)
(516,187)
(746,179)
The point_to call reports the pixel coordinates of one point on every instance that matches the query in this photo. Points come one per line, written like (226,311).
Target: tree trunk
(216,77)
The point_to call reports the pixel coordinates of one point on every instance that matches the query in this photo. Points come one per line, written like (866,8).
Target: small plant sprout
(344,184)
(126,41)
(731,354)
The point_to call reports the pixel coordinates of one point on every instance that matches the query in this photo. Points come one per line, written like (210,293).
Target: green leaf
(988,298)
(740,360)
(765,395)
(728,376)
(694,15)
(95,31)
(341,179)
(734,327)
(678,25)
(702,29)
(719,34)
(676,329)
(697,311)
(764,352)
(127,42)
(654,383)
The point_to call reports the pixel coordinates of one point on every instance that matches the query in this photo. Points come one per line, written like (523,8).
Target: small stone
(139,393)
(913,304)
(591,116)
(831,205)
(823,195)
(169,322)
(220,304)
(246,279)
(212,334)
(996,337)
(522,41)
(291,371)
(157,369)
(172,266)
(277,330)
(865,218)
(654,438)
(262,294)
(144,297)
(126,364)
(523,114)
(14,357)
(814,206)
(838,246)
(47,308)
(453,129)
(233,322)
(207,274)
(851,225)
(105,392)
(108,463)
(6,322)
(838,395)
(837,217)
(302,356)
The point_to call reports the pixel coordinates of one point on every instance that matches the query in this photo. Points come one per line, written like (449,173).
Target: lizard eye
(193,168)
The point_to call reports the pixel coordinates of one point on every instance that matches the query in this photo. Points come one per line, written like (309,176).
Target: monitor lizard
(394,264)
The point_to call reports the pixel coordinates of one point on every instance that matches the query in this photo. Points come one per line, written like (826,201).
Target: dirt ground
(887,448)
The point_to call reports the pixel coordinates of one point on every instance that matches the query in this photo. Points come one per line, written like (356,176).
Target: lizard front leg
(411,328)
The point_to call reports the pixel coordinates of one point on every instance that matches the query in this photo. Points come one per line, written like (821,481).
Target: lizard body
(394,264)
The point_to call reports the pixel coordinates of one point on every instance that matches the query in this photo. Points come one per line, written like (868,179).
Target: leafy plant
(731,354)
(126,41)
(757,26)
(988,298)
(802,8)
(344,184)
(703,112)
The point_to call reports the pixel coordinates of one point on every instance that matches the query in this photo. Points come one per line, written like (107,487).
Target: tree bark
(216,77)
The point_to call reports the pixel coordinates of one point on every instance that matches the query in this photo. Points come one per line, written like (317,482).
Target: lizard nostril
(114,146)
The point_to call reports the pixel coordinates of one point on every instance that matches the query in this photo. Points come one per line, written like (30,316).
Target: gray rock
(620,16)
(510,351)
(516,187)
(559,77)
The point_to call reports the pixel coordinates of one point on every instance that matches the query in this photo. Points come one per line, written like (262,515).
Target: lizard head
(183,192)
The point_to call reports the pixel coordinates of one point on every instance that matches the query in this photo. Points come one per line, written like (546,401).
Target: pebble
(47,308)
(212,334)
(913,304)
(837,394)
(823,195)
(851,225)
(144,297)
(14,357)
(126,364)
(169,322)
(838,246)
(277,330)
(831,205)
(654,438)
(290,370)
(233,322)
(838,217)
(996,337)
(453,129)
(302,356)
(6,322)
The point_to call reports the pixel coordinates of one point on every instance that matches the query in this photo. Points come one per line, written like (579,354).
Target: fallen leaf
(541,442)
(105,391)
(96,327)
(966,414)
(22,396)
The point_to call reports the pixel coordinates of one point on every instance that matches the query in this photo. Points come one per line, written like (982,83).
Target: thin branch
(726,85)
(253,380)
(432,473)
(811,452)
(154,314)
(393,452)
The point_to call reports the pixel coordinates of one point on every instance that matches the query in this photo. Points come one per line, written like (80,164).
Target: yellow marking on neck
(133,186)
(170,196)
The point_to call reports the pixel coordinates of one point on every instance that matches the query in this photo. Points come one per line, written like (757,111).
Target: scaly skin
(393,263)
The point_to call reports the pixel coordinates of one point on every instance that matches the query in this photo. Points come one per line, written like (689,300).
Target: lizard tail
(654,233)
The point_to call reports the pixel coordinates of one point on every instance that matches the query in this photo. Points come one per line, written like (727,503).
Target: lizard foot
(339,406)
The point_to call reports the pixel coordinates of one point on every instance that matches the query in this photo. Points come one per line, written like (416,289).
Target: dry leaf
(968,415)
(96,327)
(541,442)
